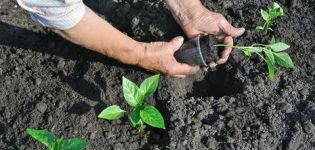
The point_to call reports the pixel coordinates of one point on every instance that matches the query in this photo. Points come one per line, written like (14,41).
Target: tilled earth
(49,83)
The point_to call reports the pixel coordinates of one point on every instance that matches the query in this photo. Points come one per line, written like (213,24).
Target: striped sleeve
(55,14)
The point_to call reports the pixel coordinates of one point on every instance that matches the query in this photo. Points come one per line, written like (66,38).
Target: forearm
(95,33)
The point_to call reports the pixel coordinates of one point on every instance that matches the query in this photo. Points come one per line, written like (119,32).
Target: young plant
(270,16)
(141,114)
(274,53)
(52,143)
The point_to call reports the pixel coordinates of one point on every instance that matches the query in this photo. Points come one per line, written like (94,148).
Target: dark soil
(48,83)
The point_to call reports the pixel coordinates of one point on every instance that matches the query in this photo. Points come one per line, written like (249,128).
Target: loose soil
(49,83)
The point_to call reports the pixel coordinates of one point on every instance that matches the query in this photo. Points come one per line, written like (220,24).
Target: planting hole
(217,84)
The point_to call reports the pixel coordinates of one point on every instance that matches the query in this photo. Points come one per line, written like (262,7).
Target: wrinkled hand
(195,19)
(159,57)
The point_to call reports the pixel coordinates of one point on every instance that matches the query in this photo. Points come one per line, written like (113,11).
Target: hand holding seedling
(195,19)
(159,57)
(53,143)
(141,113)
(274,53)
(107,40)
(269,16)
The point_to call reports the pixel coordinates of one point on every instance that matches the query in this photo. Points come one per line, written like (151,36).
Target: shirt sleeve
(55,14)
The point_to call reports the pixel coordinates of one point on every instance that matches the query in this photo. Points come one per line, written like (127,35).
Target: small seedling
(269,16)
(273,54)
(52,143)
(141,114)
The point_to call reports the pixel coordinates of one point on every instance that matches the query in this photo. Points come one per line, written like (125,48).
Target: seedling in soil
(52,143)
(270,16)
(141,114)
(274,53)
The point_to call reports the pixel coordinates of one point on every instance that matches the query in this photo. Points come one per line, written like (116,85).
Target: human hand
(195,19)
(159,57)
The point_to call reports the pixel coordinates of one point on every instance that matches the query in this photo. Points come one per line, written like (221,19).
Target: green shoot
(270,16)
(141,114)
(53,143)
(273,53)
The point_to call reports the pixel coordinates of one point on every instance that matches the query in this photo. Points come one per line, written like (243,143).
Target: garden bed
(49,83)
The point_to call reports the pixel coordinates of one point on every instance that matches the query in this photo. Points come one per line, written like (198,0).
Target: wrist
(147,58)
(184,10)
(130,53)
(142,53)
(135,54)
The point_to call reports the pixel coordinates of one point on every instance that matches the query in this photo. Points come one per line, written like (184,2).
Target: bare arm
(95,33)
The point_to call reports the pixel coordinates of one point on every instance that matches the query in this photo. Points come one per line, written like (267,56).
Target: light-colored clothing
(56,14)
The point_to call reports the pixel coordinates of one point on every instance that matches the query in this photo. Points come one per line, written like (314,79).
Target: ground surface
(48,83)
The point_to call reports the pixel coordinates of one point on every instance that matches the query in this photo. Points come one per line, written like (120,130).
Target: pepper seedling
(53,143)
(270,15)
(273,54)
(141,114)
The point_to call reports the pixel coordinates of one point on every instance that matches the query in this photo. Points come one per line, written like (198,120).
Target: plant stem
(237,47)
(261,56)
(244,47)
(141,128)
(259,45)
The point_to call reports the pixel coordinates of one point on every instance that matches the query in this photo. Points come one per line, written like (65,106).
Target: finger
(184,69)
(220,37)
(212,65)
(230,30)
(221,61)
(177,42)
(205,69)
(227,51)
(194,70)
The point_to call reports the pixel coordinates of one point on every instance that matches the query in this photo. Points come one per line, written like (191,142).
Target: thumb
(230,30)
(177,42)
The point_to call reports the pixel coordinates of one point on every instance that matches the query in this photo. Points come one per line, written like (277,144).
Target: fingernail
(212,65)
(180,39)
(241,29)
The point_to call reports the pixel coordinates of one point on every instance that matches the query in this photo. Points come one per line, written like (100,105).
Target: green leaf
(269,56)
(277,8)
(132,93)
(149,85)
(42,136)
(270,60)
(134,117)
(151,116)
(276,12)
(275,5)
(281,12)
(265,15)
(74,144)
(278,47)
(284,60)
(247,53)
(57,145)
(259,28)
(271,70)
(113,112)
(273,40)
